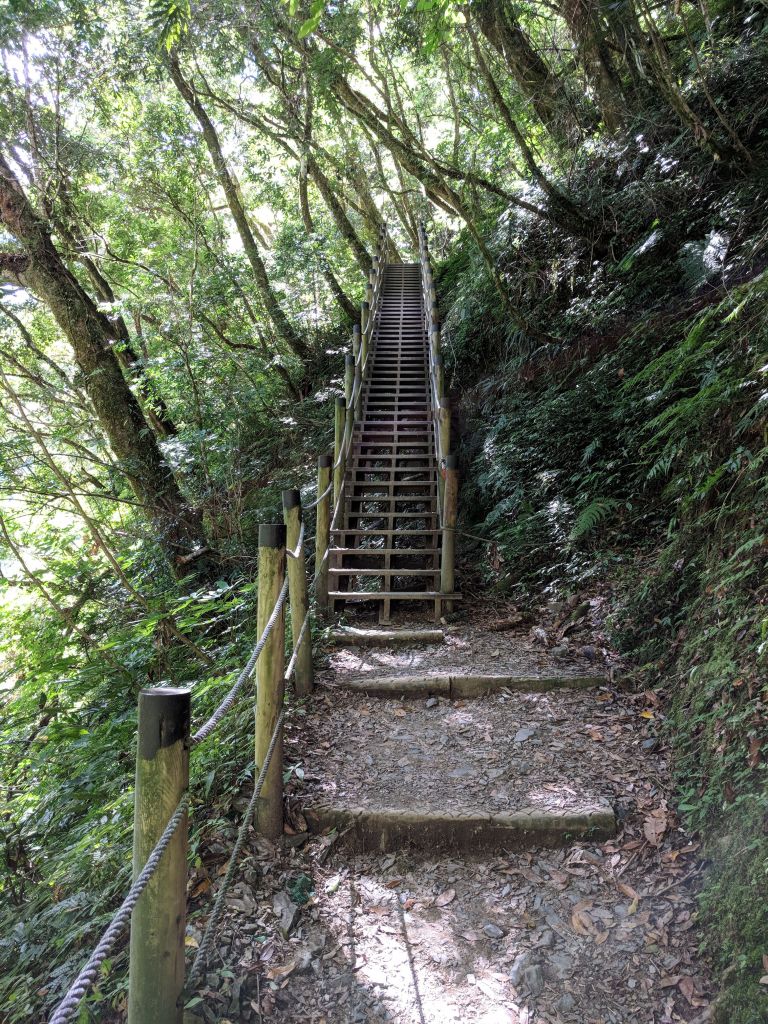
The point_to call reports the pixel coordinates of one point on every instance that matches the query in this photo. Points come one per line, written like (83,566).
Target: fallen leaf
(400,712)
(646,714)
(445,898)
(654,826)
(393,883)
(278,973)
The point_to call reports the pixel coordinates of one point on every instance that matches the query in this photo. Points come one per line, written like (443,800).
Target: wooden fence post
(339,424)
(297,591)
(269,669)
(439,366)
(322,531)
(365,310)
(358,383)
(444,423)
(450,505)
(434,340)
(349,384)
(156,973)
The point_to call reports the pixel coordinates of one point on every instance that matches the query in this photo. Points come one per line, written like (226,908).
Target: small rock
(565,1003)
(523,734)
(493,931)
(589,652)
(547,940)
(534,979)
(518,967)
(561,965)
(651,743)
(560,651)
(431,702)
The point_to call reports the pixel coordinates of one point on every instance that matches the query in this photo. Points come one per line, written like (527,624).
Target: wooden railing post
(439,367)
(448,552)
(434,340)
(358,382)
(339,424)
(444,426)
(322,531)
(269,669)
(365,310)
(349,383)
(297,591)
(156,974)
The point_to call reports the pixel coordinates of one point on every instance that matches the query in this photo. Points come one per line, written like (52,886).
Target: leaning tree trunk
(92,337)
(282,324)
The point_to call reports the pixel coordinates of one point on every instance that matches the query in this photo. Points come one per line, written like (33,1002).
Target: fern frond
(593,514)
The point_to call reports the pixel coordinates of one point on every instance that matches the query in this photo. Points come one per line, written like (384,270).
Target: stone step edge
(458,686)
(390,829)
(352,637)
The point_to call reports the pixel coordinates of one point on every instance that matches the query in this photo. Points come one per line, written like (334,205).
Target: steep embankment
(627,462)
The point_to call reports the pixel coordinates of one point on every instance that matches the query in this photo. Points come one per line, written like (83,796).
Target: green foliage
(169,19)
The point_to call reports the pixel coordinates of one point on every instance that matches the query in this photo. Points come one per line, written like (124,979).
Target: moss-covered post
(439,369)
(365,310)
(450,507)
(358,372)
(322,531)
(269,671)
(156,973)
(434,340)
(349,384)
(339,425)
(297,591)
(444,426)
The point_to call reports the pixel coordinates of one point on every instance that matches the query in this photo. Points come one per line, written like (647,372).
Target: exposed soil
(595,933)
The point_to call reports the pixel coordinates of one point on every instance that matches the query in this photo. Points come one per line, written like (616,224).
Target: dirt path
(589,932)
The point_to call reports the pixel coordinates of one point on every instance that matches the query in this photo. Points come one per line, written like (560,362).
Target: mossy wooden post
(444,425)
(434,340)
(297,591)
(339,426)
(322,531)
(156,973)
(450,506)
(269,673)
(349,384)
(358,384)
(365,310)
(439,368)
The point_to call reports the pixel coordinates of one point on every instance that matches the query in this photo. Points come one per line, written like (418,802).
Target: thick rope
(319,498)
(218,906)
(205,730)
(299,545)
(294,657)
(69,1005)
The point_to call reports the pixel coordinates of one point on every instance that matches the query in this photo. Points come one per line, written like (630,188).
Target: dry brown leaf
(654,826)
(445,898)
(393,883)
(400,712)
(279,973)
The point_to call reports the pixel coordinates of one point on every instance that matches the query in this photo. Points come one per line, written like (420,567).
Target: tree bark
(92,337)
(537,83)
(283,326)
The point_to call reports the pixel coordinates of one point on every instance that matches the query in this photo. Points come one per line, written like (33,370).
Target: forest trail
(387,546)
(430,902)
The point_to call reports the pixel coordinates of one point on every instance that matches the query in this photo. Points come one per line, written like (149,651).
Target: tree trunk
(583,22)
(345,303)
(283,326)
(537,83)
(92,336)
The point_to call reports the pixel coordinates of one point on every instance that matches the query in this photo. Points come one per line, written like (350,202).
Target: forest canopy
(190,196)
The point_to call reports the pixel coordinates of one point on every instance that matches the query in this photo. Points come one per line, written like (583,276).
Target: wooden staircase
(386,544)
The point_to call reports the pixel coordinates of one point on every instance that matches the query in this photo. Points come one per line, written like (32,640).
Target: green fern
(594,513)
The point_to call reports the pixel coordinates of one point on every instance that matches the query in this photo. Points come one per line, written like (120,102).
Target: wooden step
(393,595)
